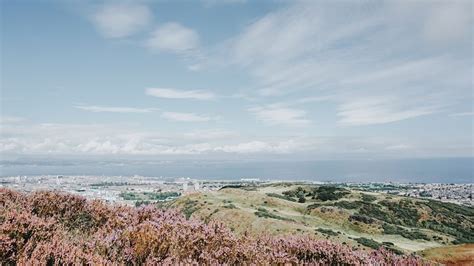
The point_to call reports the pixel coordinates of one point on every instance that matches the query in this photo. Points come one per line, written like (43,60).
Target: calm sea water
(452,170)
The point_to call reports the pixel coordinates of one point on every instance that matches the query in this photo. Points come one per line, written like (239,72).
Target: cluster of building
(112,188)
(454,193)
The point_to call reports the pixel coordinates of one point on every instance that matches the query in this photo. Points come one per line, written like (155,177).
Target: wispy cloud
(111,109)
(180,94)
(173,37)
(186,117)
(463,114)
(282,116)
(370,111)
(120,20)
(347,51)
(398,147)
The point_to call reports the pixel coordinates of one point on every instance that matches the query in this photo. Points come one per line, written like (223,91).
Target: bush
(348,204)
(368,198)
(368,242)
(397,230)
(264,213)
(327,231)
(361,218)
(230,206)
(285,197)
(301,199)
(325,193)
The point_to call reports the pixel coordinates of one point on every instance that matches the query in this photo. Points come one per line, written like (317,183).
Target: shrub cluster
(285,197)
(56,228)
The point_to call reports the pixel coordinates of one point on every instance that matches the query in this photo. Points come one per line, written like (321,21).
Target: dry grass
(451,255)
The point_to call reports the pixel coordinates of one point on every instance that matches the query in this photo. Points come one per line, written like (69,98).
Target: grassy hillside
(51,228)
(361,219)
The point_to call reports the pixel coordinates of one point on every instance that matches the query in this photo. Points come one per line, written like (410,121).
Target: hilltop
(53,228)
(363,220)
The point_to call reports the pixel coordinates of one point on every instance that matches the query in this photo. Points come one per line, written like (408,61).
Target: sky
(237,79)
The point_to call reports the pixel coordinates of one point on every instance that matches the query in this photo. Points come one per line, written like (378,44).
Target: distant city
(137,190)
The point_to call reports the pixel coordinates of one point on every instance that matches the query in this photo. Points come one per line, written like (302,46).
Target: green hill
(365,220)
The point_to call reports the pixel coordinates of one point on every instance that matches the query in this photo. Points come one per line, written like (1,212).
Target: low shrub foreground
(57,228)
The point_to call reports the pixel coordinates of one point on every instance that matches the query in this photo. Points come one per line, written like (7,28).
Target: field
(364,220)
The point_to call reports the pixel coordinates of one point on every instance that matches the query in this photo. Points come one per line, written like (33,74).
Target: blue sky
(237,79)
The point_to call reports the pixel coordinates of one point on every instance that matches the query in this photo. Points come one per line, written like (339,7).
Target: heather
(58,228)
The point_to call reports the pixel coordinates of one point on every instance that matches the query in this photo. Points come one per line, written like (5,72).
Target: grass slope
(361,219)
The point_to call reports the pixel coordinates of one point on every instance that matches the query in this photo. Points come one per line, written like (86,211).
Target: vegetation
(408,223)
(397,230)
(107,184)
(327,231)
(322,193)
(349,204)
(230,206)
(285,197)
(243,187)
(262,212)
(398,216)
(325,193)
(368,198)
(368,242)
(361,218)
(49,228)
(404,210)
(190,206)
(157,196)
(451,255)
(139,203)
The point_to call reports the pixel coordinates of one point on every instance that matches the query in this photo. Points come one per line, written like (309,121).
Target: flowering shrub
(57,228)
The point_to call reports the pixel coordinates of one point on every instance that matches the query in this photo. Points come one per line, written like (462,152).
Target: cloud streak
(280,116)
(186,117)
(169,93)
(111,109)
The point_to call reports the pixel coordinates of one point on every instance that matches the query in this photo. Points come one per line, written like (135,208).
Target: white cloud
(268,147)
(121,20)
(274,115)
(173,37)
(110,109)
(129,140)
(186,117)
(180,94)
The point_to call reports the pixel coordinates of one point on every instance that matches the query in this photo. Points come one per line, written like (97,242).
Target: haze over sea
(439,170)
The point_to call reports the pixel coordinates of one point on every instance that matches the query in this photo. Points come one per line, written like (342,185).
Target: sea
(432,170)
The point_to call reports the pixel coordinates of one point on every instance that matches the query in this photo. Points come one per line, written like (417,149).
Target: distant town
(138,190)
